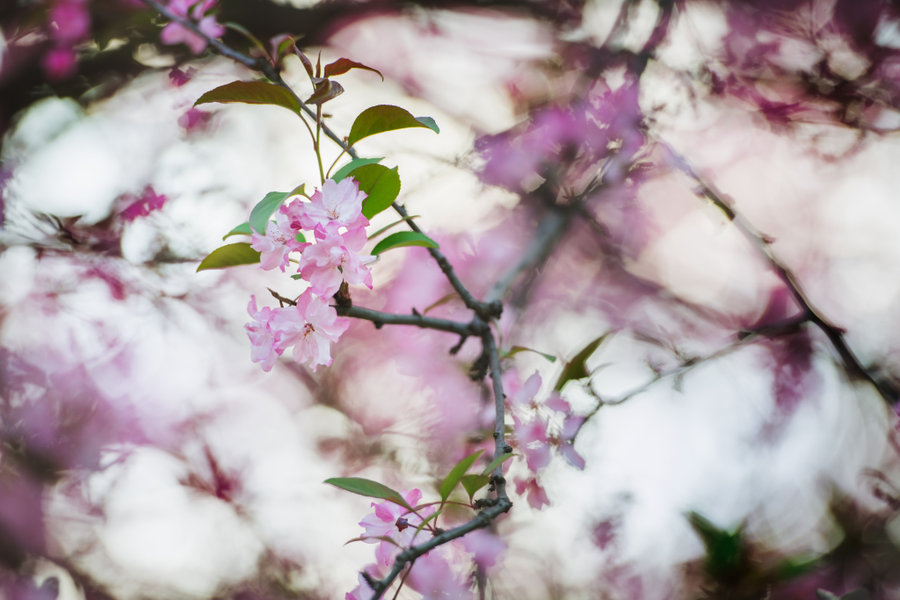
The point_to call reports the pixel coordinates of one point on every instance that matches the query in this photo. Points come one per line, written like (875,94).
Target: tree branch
(835,334)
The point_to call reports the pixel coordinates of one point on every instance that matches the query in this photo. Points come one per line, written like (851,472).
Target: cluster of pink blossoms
(334,216)
(538,427)
(196,11)
(437,574)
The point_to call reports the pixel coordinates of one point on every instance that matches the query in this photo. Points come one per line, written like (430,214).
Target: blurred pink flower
(59,63)
(148,202)
(537,496)
(432,576)
(485,547)
(70,22)
(175,33)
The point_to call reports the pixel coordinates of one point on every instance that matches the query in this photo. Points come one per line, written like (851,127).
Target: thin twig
(835,334)
(418,320)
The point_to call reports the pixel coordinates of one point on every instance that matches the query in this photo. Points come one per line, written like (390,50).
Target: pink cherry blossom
(533,442)
(278,242)
(566,441)
(310,327)
(336,257)
(175,33)
(390,520)
(537,496)
(264,348)
(336,203)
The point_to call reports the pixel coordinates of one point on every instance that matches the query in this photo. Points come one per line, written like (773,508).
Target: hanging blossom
(334,215)
(310,328)
(535,435)
(433,575)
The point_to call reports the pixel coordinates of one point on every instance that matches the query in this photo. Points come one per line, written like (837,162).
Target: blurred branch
(835,334)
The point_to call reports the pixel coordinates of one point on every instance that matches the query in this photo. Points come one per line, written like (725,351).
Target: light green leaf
(385,117)
(354,164)
(404,238)
(229,256)
(456,473)
(499,460)
(262,212)
(369,488)
(242,229)
(252,92)
(474,482)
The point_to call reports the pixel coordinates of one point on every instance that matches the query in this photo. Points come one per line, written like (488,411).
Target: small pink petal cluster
(534,434)
(334,215)
(69,23)
(176,33)
(436,574)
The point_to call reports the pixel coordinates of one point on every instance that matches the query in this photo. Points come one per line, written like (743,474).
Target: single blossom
(537,496)
(336,257)
(310,327)
(433,577)
(337,203)
(533,442)
(390,520)
(278,242)
(264,345)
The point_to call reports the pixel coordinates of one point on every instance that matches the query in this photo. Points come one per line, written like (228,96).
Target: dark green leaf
(403,238)
(575,369)
(474,482)
(499,460)
(369,488)
(382,186)
(342,65)
(456,473)
(252,92)
(229,256)
(385,117)
(242,229)
(725,550)
(353,164)
(264,209)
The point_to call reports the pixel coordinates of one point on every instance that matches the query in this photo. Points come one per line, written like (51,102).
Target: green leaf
(353,164)
(429,123)
(499,460)
(229,256)
(369,488)
(516,349)
(342,65)
(262,212)
(385,117)
(382,186)
(242,229)
(252,92)
(474,482)
(725,550)
(403,238)
(456,473)
(575,368)
(405,219)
